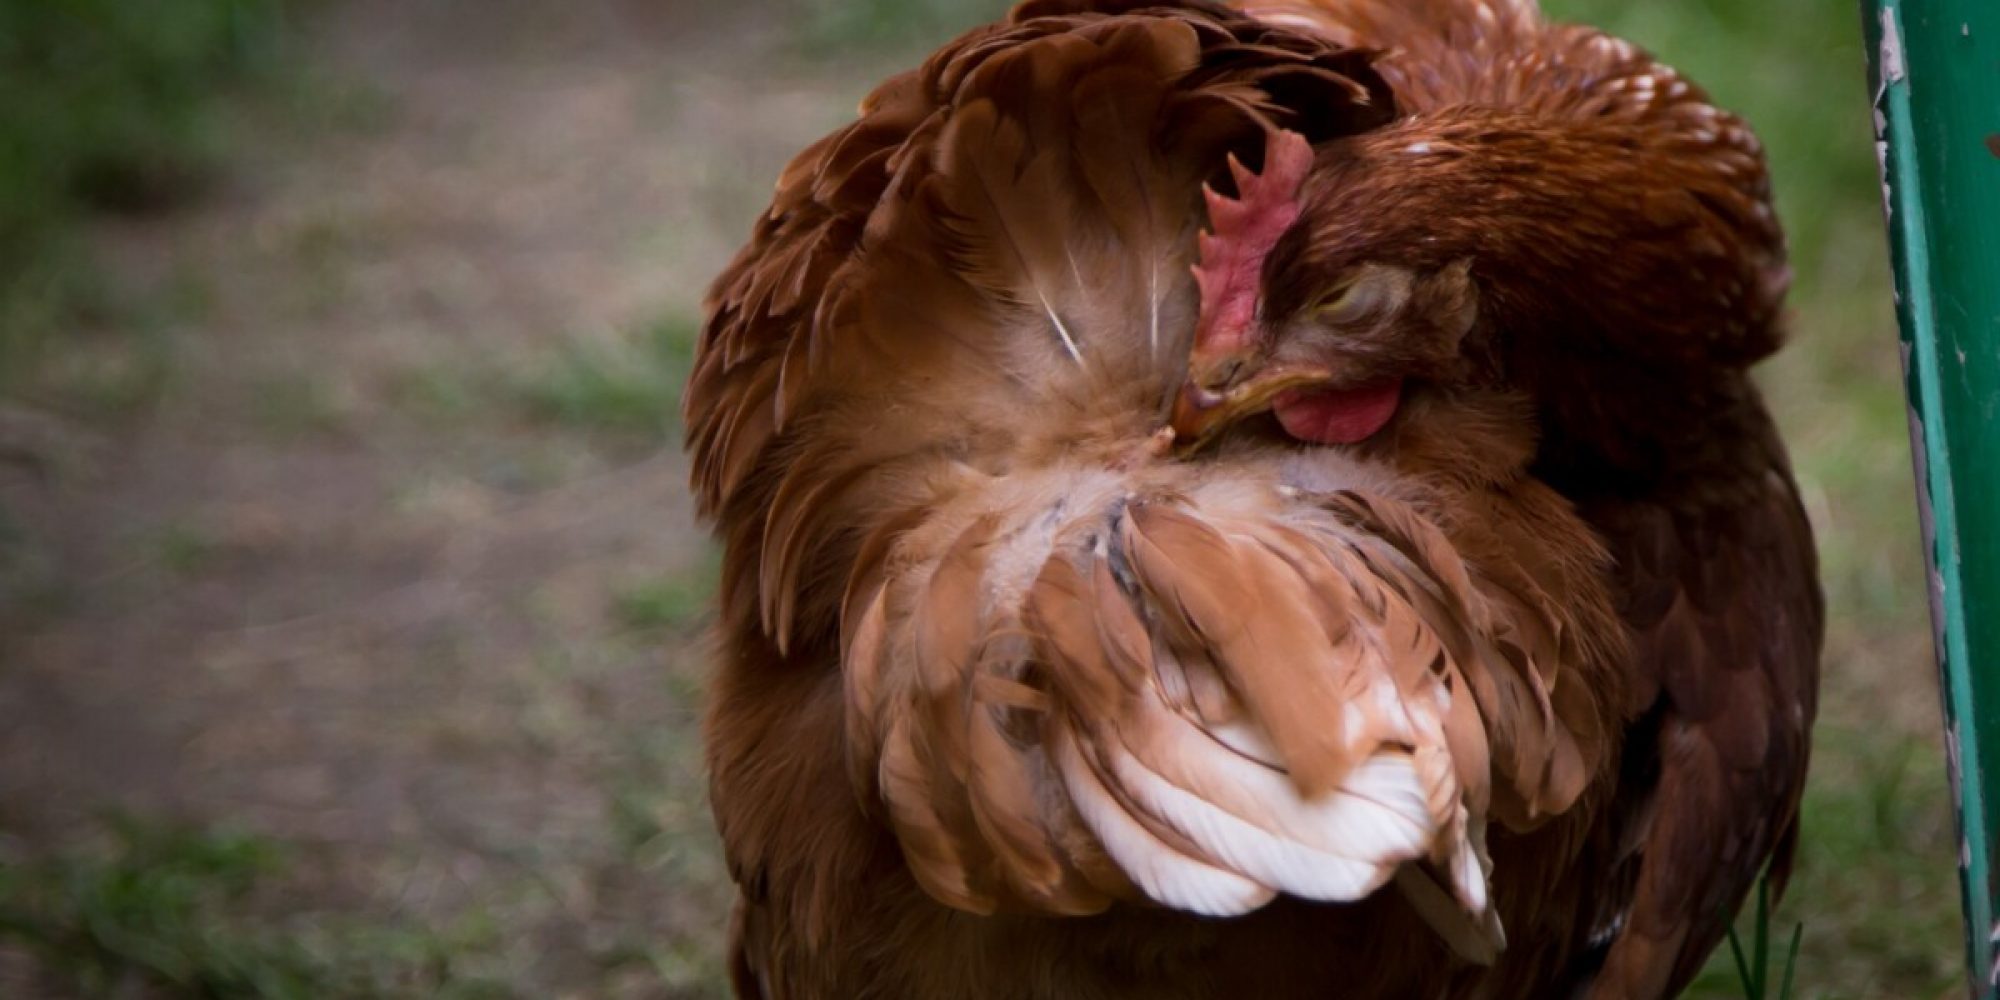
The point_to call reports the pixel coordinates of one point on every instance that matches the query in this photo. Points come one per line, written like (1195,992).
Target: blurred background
(350,599)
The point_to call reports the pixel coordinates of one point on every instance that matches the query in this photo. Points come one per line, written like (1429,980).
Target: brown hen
(1412,601)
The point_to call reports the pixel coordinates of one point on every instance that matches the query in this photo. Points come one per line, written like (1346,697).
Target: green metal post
(1934,70)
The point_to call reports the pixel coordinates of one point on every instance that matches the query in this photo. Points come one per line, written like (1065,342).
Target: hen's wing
(1720,592)
(1236,691)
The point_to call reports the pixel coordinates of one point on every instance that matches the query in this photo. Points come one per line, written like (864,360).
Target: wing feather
(1729,622)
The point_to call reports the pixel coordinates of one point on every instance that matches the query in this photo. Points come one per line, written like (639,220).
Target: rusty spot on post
(1993,143)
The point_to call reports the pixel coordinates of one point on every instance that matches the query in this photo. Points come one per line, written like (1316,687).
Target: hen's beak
(1221,391)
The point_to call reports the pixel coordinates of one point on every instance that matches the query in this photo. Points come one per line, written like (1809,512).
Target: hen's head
(1323,332)
(1477,249)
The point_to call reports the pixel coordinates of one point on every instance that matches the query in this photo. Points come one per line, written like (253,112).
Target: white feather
(1162,873)
(1277,861)
(1068,342)
(1380,810)
(1153,301)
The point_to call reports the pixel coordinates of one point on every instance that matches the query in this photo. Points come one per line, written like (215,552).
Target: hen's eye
(1373,290)
(1343,306)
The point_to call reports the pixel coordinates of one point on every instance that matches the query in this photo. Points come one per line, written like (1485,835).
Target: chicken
(1259,503)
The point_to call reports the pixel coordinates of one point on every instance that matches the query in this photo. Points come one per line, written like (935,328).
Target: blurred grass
(661,603)
(186,911)
(848,25)
(105,106)
(629,383)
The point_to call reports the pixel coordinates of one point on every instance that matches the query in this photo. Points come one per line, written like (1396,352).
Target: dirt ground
(360,519)
(341,579)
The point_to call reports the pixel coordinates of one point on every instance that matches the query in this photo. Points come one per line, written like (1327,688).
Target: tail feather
(1204,695)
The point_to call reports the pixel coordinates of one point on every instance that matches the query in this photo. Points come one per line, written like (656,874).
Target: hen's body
(923,417)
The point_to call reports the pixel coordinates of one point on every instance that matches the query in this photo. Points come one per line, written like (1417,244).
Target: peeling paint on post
(1934,72)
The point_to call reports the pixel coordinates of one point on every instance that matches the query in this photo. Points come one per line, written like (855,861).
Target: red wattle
(1338,416)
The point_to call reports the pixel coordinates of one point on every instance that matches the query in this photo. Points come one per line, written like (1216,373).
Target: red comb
(1244,229)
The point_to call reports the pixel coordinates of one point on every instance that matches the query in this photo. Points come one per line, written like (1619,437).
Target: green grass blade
(1742,966)
(1763,939)
(1791,962)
